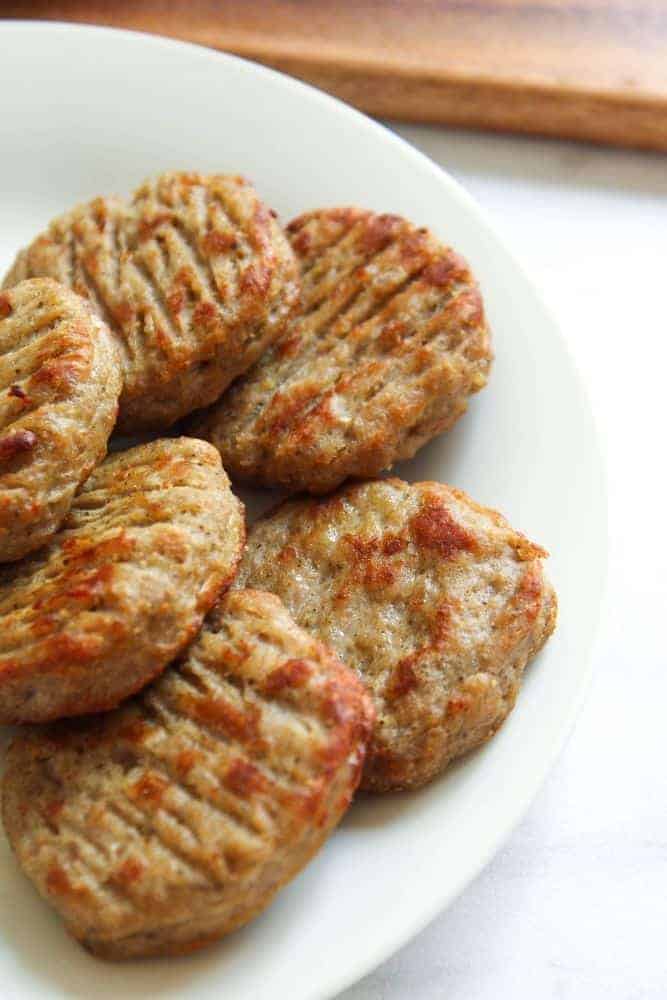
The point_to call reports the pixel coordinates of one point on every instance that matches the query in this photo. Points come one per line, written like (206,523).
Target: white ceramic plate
(85,111)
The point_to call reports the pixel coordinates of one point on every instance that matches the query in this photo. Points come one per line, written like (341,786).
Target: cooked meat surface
(388,345)
(175,819)
(194,275)
(59,385)
(435,601)
(149,543)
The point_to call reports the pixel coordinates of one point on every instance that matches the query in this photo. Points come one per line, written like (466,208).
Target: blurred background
(582,69)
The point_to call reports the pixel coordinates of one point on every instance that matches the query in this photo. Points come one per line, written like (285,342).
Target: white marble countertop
(575,904)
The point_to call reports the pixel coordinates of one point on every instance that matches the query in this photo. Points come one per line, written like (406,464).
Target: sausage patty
(118,592)
(59,385)
(389,344)
(194,275)
(435,601)
(175,819)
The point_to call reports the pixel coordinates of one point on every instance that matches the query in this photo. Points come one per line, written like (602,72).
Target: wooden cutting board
(584,69)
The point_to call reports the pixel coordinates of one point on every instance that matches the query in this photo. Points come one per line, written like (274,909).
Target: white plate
(86,111)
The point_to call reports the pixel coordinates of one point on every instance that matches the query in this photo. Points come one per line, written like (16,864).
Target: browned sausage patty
(436,602)
(175,819)
(117,593)
(195,276)
(389,344)
(59,385)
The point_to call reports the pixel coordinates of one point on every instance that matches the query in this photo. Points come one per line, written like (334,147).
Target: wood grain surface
(585,69)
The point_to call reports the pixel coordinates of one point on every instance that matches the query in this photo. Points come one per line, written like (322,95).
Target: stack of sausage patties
(197,711)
